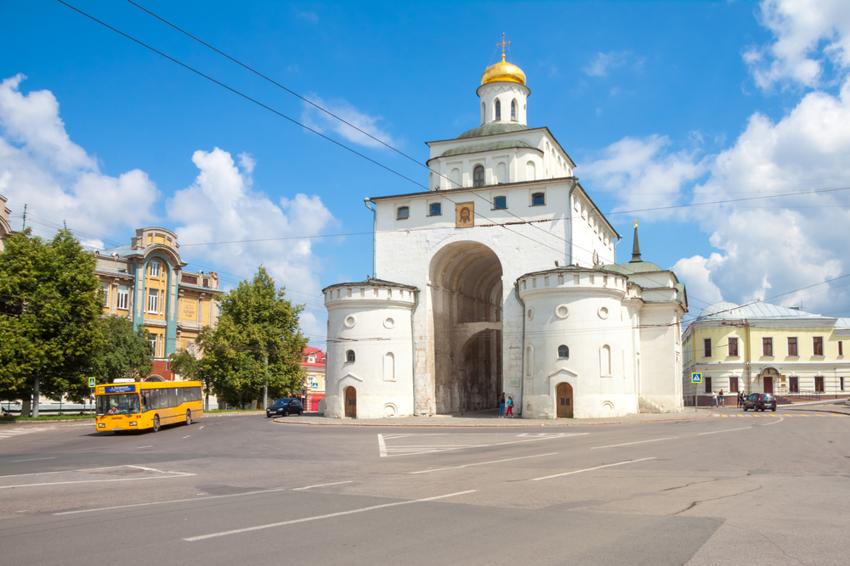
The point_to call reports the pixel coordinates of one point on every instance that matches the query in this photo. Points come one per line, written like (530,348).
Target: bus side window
(145,403)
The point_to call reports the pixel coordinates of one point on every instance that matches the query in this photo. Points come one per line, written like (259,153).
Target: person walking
(714,398)
(509,407)
(721,400)
(502,405)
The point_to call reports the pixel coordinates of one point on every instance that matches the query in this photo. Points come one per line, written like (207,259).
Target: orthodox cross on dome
(504,43)
(635,246)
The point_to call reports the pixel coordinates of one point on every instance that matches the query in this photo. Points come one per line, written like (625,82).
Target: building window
(767,346)
(538,199)
(819,383)
(402,213)
(708,385)
(841,382)
(818,345)
(435,209)
(606,359)
(478,176)
(733,384)
(104,287)
(563,352)
(389,367)
(794,384)
(153,301)
(792,346)
(123,297)
(501,203)
(733,347)
(498,109)
(530,171)
(152,342)
(706,347)
(840,348)
(349,356)
(154,268)
(513,110)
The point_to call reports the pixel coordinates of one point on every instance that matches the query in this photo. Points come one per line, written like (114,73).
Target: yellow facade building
(146,282)
(5,228)
(764,348)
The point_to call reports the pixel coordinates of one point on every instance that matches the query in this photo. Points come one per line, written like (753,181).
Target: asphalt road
(765,489)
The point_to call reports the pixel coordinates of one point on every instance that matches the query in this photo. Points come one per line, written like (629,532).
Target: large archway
(466,293)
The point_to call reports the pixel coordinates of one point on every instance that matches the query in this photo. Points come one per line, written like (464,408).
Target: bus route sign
(696,377)
(120,389)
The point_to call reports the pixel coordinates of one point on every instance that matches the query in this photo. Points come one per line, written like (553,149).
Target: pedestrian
(721,400)
(509,407)
(740,398)
(502,405)
(714,398)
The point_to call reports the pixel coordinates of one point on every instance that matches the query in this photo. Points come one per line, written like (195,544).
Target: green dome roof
(491,129)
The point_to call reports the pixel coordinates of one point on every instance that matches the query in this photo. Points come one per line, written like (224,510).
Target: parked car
(760,402)
(284,407)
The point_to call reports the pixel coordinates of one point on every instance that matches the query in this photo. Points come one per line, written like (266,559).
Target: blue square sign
(696,377)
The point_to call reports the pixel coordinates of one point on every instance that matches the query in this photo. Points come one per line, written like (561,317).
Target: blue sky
(657,103)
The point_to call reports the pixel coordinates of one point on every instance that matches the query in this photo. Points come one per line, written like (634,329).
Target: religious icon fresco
(465,215)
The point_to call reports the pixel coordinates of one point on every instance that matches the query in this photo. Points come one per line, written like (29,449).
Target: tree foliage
(185,365)
(49,311)
(257,324)
(126,353)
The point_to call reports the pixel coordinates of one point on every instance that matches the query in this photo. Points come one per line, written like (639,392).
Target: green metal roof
(488,146)
(491,129)
(631,268)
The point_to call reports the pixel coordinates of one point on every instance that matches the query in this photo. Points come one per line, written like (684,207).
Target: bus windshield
(122,404)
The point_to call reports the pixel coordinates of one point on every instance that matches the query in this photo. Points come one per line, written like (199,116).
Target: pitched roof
(755,311)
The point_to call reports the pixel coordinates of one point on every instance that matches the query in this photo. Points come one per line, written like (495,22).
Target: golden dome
(503,72)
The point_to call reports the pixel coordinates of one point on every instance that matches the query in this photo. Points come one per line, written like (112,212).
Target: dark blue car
(284,407)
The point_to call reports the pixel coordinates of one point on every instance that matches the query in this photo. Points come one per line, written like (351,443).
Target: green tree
(49,313)
(257,341)
(125,352)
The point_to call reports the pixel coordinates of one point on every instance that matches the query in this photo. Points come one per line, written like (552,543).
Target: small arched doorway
(564,400)
(350,402)
(769,377)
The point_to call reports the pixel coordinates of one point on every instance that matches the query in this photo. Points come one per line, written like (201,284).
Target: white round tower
(370,349)
(504,94)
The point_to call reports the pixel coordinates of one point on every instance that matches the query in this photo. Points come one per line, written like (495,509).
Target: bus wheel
(188,417)
(156,423)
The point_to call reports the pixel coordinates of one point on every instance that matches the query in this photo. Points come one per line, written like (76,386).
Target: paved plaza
(715,487)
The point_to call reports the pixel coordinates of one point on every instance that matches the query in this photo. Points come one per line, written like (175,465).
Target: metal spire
(635,246)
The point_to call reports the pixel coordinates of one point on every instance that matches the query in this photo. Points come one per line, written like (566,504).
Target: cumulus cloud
(767,247)
(220,205)
(605,62)
(58,180)
(810,36)
(644,173)
(345,110)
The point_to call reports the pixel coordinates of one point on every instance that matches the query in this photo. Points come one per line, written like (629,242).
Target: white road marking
(18,431)
(635,442)
(186,500)
(306,487)
(187,436)
(326,516)
(724,430)
(413,449)
(145,446)
(178,475)
(428,471)
(623,463)
(774,422)
(201,427)
(34,459)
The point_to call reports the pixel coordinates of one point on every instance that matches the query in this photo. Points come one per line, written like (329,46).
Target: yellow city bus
(147,405)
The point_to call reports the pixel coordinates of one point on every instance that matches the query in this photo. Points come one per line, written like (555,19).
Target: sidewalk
(486,421)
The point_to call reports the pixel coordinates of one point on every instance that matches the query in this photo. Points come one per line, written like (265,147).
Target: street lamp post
(266,381)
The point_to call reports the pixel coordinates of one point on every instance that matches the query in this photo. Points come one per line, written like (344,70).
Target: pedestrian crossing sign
(91,382)
(696,377)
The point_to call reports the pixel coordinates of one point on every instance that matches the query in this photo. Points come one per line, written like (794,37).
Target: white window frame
(155,268)
(153,301)
(123,298)
(105,288)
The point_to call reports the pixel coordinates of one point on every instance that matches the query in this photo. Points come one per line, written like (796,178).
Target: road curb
(496,424)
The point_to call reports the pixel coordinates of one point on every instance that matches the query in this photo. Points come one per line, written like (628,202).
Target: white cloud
(220,205)
(642,173)
(604,62)
(58,180)
(809,37)
(767,247)
(345,110)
